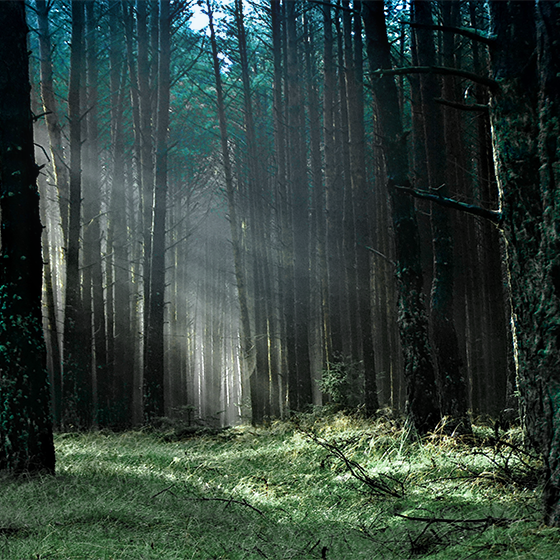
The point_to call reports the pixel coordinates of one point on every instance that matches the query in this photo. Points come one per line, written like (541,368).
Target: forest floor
(323,488)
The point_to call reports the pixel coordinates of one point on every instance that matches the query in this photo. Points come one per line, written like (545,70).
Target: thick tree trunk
(548,31)
(450,371)
(524,113)
(26,443)
(413,324)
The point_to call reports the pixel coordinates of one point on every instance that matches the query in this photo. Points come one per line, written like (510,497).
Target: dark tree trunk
(361,193)
(548,31)
(413,324)
(450,378)
(300,394)
(92,209)
(26,443)
(146,160)
(318,258)
(279,176)
(525,113)
(333,320)
(154,366)
(77,382)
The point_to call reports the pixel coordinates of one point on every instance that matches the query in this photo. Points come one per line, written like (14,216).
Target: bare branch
(492,215)
(462,106)
(381,255)
(472,34)
(443,70)
(484,521)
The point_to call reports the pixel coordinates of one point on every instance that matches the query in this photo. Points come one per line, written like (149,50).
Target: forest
(321,228)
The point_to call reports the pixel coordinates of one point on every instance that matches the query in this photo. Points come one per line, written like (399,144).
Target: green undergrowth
(324,488)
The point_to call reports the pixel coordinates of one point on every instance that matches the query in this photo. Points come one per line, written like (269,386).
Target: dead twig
(381,485)
(229,501)
(168,489)
(484,522)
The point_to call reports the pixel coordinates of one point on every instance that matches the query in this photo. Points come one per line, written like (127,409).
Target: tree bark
(247,343)
(26,442)
(50,106)
(413,324)
(77,382)
(299,389)
(524,115)
(450,373)
(361,191)
(154,366)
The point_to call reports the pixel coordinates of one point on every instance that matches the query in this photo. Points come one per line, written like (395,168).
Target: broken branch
(443,70)
(492,215)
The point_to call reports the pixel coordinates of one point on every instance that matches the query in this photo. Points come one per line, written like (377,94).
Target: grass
(286,492)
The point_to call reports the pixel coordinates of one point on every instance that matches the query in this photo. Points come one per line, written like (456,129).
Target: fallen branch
(168,489)
(484,521)
(380,485)
(229,501)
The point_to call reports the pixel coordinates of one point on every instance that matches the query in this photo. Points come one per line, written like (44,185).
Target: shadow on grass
(272,494)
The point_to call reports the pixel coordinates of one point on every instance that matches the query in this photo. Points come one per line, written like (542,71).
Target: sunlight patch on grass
(276,493)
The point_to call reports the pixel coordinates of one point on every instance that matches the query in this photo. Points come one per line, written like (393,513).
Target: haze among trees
(252,209)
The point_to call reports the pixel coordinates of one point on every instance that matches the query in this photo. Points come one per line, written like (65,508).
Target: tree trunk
(361,191)
(247,344)
(26,442)
(524,114)
(50,106)
(450,378)
(77,382)
(300,394)
(260,390)
(92,212)
(413,324)
(154,366)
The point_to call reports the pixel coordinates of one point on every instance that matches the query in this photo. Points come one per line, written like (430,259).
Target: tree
(412,316)
(60,173)
(247,341)
(26,443)
(450,378)
(77,389)
(154,366)
(525,112)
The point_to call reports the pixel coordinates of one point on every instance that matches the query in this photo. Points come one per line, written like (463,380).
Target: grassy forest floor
(324,488)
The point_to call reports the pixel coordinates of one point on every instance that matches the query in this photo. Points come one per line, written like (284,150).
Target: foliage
(343,382)
(253,493)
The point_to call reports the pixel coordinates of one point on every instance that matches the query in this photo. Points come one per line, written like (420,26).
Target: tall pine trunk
(412,317)
(26,442)
(450,370)
(77,382)
(154,366)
